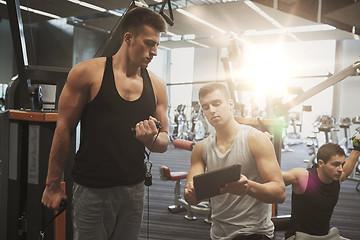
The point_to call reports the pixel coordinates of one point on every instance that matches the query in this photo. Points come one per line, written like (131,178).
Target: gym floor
(164,225)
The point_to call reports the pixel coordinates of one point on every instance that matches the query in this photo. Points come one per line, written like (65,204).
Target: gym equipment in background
(181,128)
(356,171)
(314,147)
(25,145)
(198,127)
(327,125)
(292,137)
(345,124)
(203,208)
(26,133)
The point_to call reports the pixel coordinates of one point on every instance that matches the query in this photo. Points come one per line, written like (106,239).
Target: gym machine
(180,204)
(26,134)
(27,128)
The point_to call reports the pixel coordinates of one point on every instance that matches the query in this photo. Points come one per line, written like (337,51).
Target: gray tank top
(234,215)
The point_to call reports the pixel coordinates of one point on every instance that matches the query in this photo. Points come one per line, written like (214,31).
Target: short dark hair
(328,150)
(211,87)
(136,18)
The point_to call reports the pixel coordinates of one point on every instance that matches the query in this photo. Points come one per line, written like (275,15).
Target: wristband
(356,144)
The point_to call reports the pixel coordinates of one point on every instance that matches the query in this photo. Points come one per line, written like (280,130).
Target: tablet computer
(208,184)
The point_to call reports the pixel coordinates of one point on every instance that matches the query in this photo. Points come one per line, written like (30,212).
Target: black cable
(148,178)
(148,213)
(63,204)
(31,33)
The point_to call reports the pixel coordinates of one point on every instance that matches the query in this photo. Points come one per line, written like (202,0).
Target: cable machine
(27,129)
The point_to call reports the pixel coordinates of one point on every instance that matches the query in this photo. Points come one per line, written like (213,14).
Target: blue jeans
(107,213)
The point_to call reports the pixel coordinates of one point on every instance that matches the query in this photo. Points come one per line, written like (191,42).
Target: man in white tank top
(243,211)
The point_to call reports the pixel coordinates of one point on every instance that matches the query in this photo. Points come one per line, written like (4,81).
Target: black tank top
(311,212)
(109,154)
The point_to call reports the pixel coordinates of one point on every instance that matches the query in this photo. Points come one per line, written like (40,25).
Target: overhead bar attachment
(169,20)
(354,69)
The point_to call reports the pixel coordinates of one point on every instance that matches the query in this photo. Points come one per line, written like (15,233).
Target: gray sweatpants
(107,213)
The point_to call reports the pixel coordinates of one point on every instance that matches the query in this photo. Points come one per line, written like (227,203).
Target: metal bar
(47,74)
(337,77)
(17,33)
(319,11)
(276,4)
(18,37)
(4,172)
(226,63)
(113,43)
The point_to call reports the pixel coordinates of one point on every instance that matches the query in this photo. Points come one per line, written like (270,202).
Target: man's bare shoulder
(89,66)
(159,87)
(198,148)
(256,137)
(87,72)
(156,80)
(297,177)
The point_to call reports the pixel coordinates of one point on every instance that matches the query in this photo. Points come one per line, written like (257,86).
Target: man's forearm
(58,156)
(350,164)
(159,144)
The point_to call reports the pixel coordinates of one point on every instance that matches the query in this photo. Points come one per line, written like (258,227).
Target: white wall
(350,87)
(159,64)
(181,71)
(206,68)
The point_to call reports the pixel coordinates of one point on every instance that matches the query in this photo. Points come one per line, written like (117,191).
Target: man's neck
(227,132)
(122,63)
(323,177)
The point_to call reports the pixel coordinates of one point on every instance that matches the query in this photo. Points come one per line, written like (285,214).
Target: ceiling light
(189,36)
(311,28)
(176,38)
(140,3)
(299,29)
(46,14)
(200,20)
(263,14)
(171,34)
(116,13)
(269,18)
(198,44)
(88,5)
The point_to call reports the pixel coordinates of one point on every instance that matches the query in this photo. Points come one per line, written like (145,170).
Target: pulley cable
(31,33)
(148,177)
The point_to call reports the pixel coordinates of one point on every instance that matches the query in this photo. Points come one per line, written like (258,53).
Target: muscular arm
(73,98)
(197,167)
(350,163)
(148,132)
(298,178)
(273,189)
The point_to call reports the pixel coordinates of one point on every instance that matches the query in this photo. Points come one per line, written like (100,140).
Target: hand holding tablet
(208,184)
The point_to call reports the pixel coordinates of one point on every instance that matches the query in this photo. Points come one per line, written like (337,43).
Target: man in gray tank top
(243,210)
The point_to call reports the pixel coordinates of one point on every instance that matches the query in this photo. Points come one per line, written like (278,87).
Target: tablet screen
(208,184)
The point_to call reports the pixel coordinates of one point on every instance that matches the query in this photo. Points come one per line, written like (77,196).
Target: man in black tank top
(119,104)
(315,191)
